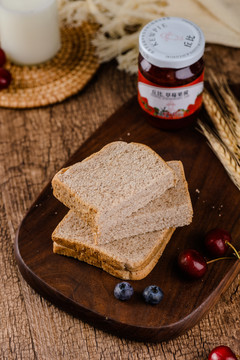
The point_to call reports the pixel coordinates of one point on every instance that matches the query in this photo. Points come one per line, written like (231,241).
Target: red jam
(171,70)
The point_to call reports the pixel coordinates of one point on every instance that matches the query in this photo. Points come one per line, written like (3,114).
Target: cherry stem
(222,258)
(231,246)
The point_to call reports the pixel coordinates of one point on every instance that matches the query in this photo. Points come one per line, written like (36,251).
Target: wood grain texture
(33,145)
(87,292)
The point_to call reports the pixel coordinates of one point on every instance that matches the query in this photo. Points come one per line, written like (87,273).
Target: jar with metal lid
(170,72)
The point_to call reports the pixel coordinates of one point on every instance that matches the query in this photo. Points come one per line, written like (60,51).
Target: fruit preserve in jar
(170,72)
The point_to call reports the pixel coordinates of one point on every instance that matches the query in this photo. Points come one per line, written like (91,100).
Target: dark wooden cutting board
(87,292)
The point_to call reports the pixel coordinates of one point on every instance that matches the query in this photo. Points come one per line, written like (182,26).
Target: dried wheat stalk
(229,104)
(119,18)
(223,132)
(233,106)
(229,161)
(120,22)
(223,127)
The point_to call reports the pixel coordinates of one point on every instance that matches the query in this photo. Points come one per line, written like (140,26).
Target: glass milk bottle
(29,30)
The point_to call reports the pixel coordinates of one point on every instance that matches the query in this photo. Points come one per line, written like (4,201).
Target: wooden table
(34,144)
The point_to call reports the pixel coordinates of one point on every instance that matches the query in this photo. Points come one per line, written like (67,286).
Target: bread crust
(82,241)
(102,253)
(124,274)
(64,194)
(156,220)
(87,211)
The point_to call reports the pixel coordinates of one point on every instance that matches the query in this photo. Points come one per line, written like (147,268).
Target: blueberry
(152,294)
(123,291)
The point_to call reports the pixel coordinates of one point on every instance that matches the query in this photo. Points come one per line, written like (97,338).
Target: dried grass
(223,130)
(119,18)
(120,23)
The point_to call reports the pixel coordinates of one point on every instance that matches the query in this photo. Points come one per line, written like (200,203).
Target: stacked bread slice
(125,203)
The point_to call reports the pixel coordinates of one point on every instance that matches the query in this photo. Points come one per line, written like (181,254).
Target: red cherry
(192,263)
(222,353)
(2,57)
(215,242)
(5,78)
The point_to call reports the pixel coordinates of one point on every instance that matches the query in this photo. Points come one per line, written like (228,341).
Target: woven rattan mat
(55,80)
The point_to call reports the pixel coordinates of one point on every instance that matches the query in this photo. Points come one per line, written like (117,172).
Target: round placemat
(55,80)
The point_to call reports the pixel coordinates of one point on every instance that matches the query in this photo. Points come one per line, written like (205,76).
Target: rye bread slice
(137,274)
(172,209)
(127,254)
(113,183)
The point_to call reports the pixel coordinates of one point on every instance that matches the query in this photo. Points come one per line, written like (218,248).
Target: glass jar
(171,72)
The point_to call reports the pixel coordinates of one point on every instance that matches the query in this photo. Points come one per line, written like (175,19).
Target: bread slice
(136,274)
(129,254)
(172,209)
(113,183)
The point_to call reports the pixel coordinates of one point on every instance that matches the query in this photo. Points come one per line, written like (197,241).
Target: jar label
(170,103)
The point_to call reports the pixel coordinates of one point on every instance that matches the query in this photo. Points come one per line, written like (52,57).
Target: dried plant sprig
(227,101)
(106,52)
(73,12)
(235,113)
(120,22)
(233,106)
(224,130)
(115,16)
(118,37)
(229,161)
(129,60)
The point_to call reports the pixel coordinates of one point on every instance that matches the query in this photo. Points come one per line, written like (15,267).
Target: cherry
(222,353)
(5,78)
(192,263)
(215,242)
(2,57)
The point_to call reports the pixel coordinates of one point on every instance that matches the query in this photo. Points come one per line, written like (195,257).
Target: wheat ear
(222,127)
(233,106)
(228,103)
(228,160)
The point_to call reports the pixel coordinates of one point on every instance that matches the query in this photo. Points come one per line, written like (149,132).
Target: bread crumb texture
(108,177)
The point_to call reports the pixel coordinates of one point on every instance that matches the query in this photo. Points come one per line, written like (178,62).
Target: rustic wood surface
(89,293)
(34,144)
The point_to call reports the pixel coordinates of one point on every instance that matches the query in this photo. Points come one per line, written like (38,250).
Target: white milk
(23,5)
(29,30)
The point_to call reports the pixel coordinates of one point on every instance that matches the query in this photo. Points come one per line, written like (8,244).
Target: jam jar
(170,72)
